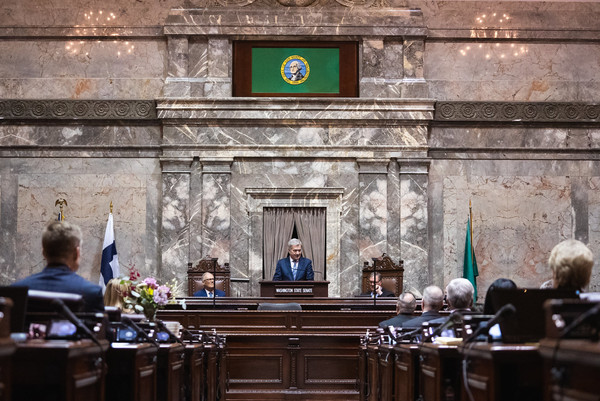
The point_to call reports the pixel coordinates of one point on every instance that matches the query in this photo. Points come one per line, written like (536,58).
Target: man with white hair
(294,267)
(459,296)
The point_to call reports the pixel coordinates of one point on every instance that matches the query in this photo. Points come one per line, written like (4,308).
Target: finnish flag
(109,267)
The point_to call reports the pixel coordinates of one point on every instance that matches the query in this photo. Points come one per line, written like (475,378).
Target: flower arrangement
(147,296)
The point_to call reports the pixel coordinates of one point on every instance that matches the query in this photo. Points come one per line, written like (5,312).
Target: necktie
(295,269)
(210,294)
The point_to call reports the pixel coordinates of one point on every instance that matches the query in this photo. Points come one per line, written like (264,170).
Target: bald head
(433,299)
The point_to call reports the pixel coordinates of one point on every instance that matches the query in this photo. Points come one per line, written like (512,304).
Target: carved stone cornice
(59,109)
(518,112)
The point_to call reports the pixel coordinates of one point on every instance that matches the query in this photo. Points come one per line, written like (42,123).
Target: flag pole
(471,227)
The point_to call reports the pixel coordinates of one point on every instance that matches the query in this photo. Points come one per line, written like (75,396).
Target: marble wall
(492,102)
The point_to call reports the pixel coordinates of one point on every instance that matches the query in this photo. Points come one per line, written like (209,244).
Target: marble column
(177,83)
(414,247)
(220,56)
(373,208)
(216,208)
(414,84)
(175,241)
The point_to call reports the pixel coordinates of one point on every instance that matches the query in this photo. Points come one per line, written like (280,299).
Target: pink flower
(151,282)
(162,294)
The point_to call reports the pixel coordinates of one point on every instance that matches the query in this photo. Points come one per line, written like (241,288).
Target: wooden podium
(285,289)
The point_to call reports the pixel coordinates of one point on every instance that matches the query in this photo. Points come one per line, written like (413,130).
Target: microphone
(408,335)
(454,317)
(504,312)
(64,310)
(171,335)
(138,330)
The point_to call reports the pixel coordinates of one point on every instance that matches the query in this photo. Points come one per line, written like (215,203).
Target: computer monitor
(528,323)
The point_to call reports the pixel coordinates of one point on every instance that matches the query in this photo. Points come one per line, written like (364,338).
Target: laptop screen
(528,323)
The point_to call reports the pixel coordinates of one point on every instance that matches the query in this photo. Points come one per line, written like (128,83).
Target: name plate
(295,291)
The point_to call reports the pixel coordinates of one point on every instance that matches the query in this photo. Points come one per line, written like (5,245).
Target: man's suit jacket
(59,278)
(416,322)
(283,271)
(203,293)
(397,321)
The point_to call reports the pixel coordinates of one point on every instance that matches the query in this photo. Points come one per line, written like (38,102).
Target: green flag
(470,263)
(295,70)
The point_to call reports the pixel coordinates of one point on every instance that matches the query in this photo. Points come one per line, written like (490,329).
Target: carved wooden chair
(392,275)
(222,275)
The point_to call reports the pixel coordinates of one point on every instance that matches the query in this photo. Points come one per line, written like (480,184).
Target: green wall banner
(295,70)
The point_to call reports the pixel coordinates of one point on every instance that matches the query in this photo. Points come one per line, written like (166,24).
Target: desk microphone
(454,317)
(504,312)
(171,335)
(139,330)
(64,310)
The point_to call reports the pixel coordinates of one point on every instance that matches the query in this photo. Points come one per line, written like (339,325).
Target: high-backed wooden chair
(392,275)
(222,275)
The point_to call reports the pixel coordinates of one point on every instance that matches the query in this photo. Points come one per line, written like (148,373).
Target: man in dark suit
(433,301)
(459,296)
(209,289)
(61,247)
(294,267)
(376,289)
(405,309)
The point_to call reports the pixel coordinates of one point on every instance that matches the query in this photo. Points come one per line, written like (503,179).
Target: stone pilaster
(372,215)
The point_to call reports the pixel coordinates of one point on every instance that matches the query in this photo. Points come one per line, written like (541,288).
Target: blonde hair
(571,263)
(113,296)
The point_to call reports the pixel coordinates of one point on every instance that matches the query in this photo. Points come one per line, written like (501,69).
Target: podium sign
(294,289)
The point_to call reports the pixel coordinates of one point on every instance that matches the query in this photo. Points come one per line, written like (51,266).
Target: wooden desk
(294,367)
(59,370)
(170,372)
(7,349)
(577,364)
(503,372)
(386,372)
(406,372)
(131,372)
(194,371)
(439,372)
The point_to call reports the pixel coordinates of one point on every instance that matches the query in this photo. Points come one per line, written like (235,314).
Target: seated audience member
(433,301)
(459,296)
(376,289)
(61,247)
(294,267)
(113,295)
(501,283)
(571,263)
(209,289)
(405,309)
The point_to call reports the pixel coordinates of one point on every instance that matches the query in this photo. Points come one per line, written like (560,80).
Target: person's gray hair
(407,303)
(433,298)
(206,274)
(460,293)
(60,239)
(294,242)
(571,262)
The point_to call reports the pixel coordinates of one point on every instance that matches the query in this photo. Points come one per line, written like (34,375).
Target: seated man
(295,267)
(459,296)
(61,247)
(209,289)
(376,289)
(433,301)
(405,309)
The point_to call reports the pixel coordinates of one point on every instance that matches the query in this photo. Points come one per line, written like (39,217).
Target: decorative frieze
(575,112)
(65,109)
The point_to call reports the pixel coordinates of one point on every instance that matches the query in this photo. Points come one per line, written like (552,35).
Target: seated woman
(113,296)
(501,283)
(571,263)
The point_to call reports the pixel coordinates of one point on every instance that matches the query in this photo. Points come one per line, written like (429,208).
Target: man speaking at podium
(294,267)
